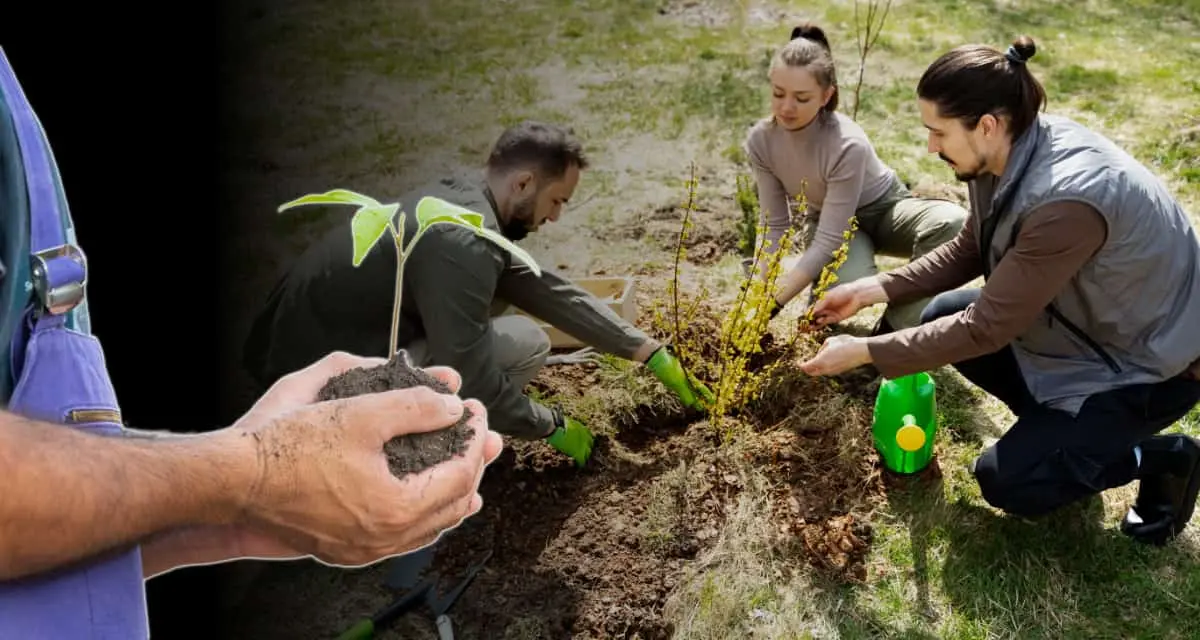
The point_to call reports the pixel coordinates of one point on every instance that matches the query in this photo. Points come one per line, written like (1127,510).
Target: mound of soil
(414,452)
(571,557)
(596,552)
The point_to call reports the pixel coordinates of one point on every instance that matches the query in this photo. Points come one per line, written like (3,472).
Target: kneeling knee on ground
(1028,494)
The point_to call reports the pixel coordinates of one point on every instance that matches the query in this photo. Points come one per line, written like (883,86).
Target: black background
(130,112)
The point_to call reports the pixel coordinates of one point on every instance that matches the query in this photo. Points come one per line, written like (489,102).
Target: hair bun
(1025,47)
(812,32)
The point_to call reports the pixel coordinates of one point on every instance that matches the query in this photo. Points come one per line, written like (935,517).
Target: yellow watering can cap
(910,437)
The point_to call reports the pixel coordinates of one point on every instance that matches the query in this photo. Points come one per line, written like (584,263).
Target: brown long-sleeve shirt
(1054,242)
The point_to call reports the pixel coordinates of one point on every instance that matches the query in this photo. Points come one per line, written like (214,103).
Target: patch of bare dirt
(711,231)
(932,189)
(698,13)
(576,551)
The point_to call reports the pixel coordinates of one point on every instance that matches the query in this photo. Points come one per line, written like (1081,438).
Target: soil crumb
(415,452)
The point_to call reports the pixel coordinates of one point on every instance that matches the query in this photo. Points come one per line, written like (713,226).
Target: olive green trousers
(898,224)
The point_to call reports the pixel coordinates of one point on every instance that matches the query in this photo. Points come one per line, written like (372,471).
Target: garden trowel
(404,575)
(440,606)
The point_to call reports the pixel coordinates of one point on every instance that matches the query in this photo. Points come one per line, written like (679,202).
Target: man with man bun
(1086,326)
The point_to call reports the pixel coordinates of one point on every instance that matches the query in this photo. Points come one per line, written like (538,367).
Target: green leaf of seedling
(368,225)
(431,211)
(518,253)
(335,196)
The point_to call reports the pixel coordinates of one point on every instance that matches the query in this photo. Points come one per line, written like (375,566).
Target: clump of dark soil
(414,452)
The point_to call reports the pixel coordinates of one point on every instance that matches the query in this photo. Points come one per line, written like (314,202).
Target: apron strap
(59,269)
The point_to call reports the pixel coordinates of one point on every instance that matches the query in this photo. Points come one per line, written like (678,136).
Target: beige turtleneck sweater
(833,161)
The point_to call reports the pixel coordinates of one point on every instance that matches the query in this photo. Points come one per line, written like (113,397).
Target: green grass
(1133,77)
(369,95)
(1069,575)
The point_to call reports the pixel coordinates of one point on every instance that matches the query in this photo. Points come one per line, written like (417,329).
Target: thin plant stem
(865,42)
(400,259)
(687,212)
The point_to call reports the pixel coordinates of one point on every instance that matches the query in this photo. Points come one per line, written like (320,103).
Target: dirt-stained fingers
(448,376)
(387,414)
(491,441)
(448,491)
(309,380)
(337,498)
(301,387)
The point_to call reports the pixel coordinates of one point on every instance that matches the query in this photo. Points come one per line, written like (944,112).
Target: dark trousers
(1048,458)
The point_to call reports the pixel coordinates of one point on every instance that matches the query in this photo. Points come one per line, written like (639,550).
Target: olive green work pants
(898,224)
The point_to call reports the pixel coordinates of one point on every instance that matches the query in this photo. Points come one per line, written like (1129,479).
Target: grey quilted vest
(1132,313)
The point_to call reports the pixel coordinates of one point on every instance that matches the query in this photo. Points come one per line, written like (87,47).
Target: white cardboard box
(618,292)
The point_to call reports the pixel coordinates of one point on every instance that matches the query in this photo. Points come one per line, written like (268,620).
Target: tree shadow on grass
(1068,574)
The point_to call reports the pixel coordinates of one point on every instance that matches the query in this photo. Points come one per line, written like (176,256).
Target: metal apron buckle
(59,277)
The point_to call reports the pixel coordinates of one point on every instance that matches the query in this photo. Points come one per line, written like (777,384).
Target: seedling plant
(410,453)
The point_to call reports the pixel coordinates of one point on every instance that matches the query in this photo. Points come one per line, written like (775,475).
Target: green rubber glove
(571,437)
(670,372)
(362,630)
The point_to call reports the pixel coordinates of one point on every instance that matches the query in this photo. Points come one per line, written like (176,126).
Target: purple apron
(60,376)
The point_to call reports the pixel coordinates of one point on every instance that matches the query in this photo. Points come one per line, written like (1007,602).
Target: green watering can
(906,422)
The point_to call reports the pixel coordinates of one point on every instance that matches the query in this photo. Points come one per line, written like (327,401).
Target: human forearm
(570,308)
(458,334)
(210,544)
(1054,244)
(947,340)
(188,546)
(868,291)
(828,238)
(71,495)
(774,215)
(844,182)
(947,267)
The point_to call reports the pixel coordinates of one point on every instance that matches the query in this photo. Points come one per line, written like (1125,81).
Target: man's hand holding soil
(325,482)
(314,479)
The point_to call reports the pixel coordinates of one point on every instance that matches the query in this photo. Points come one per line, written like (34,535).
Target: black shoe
(1169,482)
